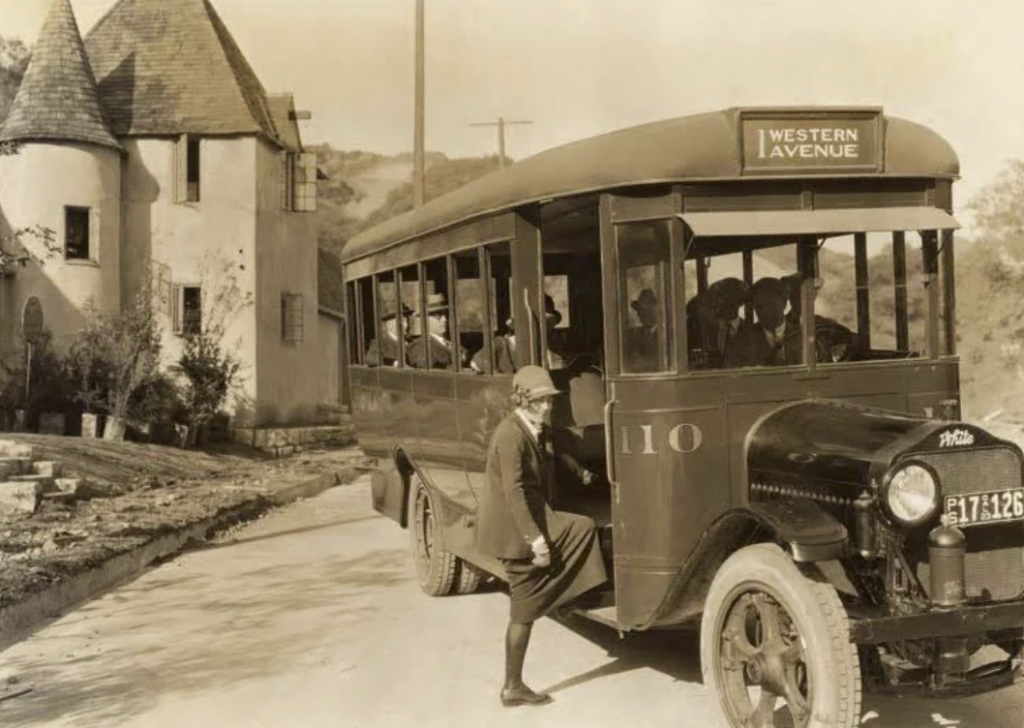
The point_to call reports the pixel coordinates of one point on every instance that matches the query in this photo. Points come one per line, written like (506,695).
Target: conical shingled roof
(58,99)
(169,67)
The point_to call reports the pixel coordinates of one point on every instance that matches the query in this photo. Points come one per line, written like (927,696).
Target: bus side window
(366,320)
(384,348)
(470,317)
(433,348)
(409,289)
(644,323)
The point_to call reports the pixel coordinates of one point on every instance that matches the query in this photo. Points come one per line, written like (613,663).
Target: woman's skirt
(576,567)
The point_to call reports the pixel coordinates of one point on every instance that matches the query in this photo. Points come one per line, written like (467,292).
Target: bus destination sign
(778,143)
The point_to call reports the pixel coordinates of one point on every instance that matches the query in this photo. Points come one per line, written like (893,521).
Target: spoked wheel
(435,567)
(775,649)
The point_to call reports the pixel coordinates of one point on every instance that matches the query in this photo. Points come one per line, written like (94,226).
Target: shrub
(208,371)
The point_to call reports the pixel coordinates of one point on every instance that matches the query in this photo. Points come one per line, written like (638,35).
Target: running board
(602,615)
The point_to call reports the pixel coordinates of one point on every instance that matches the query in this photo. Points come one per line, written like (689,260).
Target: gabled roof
(57,100)
(282,110)
(170,67)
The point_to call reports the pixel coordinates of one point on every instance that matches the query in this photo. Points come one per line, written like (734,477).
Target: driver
(833,341)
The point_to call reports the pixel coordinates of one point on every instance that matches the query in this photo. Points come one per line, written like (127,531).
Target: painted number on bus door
(639,439)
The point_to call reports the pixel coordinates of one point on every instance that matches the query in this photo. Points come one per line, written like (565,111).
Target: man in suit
(642,346)
(503,353)
(733,335)
(777,340)
(557,354)
(433,347)
(550,557)
(386,351)
(717,336)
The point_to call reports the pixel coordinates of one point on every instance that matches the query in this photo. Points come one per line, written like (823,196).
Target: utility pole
(501,123)
(419,159)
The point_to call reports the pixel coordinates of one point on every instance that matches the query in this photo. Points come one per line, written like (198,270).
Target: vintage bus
(811,499)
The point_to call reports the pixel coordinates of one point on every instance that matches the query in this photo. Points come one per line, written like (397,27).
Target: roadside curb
(30,613)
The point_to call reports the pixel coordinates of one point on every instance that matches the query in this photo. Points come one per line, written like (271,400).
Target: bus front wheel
(775,647)
(435,567)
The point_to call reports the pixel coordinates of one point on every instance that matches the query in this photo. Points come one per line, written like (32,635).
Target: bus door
(661,442)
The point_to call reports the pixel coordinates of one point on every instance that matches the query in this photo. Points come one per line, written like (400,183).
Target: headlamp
(911,493)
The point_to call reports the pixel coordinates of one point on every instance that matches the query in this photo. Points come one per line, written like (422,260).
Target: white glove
(541,552)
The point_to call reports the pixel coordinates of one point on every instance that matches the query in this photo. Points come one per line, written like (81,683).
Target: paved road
(311,617)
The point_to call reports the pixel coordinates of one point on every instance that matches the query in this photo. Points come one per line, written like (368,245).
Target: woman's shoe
(511,697)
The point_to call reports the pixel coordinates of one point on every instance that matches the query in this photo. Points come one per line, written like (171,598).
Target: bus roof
(702,147)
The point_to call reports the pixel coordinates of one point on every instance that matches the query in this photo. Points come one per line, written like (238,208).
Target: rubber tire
(468,578)
(831,659)
(435,567)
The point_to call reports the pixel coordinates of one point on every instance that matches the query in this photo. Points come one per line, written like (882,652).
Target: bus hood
(829,444)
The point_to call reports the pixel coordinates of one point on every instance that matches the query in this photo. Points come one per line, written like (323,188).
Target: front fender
(807,531)
(811,533)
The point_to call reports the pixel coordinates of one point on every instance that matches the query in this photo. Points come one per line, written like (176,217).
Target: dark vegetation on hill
(360,177)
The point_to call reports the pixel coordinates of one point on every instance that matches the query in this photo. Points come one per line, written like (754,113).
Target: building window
(298,181)
(187,157)
(291,317)
(76,233)
(188,309)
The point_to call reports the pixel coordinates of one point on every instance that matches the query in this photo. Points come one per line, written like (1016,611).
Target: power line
(501,123)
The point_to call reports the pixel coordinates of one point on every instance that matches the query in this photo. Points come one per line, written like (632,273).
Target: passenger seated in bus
(734,335)
(833,341)
(642,346)
(433,347)
(503,353)
(777,340)
(557,355)
(385,351)
(717,335)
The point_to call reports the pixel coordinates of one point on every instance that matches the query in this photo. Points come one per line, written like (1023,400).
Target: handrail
(529,314)
(608,452)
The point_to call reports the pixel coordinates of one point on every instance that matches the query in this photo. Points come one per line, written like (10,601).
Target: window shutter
(178,308)
(305,178)
(291,317)
(181,169)
(286,161)
(93,247)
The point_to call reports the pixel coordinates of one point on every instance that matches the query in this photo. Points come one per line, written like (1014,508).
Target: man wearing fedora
(386,350)
(641,346)
(557,358)
(433,348)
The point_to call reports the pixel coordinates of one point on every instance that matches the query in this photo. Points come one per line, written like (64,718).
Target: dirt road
(311,617)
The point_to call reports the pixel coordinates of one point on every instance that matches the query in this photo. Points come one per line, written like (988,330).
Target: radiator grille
(974,471)
(994,567)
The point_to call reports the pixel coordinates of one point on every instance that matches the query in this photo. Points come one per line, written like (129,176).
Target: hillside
(365,188)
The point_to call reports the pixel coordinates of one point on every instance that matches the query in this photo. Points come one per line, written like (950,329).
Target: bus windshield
(868,298)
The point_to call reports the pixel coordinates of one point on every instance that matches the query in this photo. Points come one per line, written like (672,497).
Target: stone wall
(281,441)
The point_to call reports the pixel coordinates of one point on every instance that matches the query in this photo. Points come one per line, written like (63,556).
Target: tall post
(419,159)
(501,123)
(501,141)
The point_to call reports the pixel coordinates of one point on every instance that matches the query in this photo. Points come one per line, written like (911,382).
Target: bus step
(604,615)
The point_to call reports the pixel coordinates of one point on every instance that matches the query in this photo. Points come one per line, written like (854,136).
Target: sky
(576,68)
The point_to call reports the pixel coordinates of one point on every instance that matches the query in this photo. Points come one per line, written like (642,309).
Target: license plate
(993,506)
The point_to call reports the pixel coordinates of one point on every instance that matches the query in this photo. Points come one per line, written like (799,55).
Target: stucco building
(152,151)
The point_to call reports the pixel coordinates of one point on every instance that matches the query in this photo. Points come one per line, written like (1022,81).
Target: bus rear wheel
(775,647)
(435,567)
